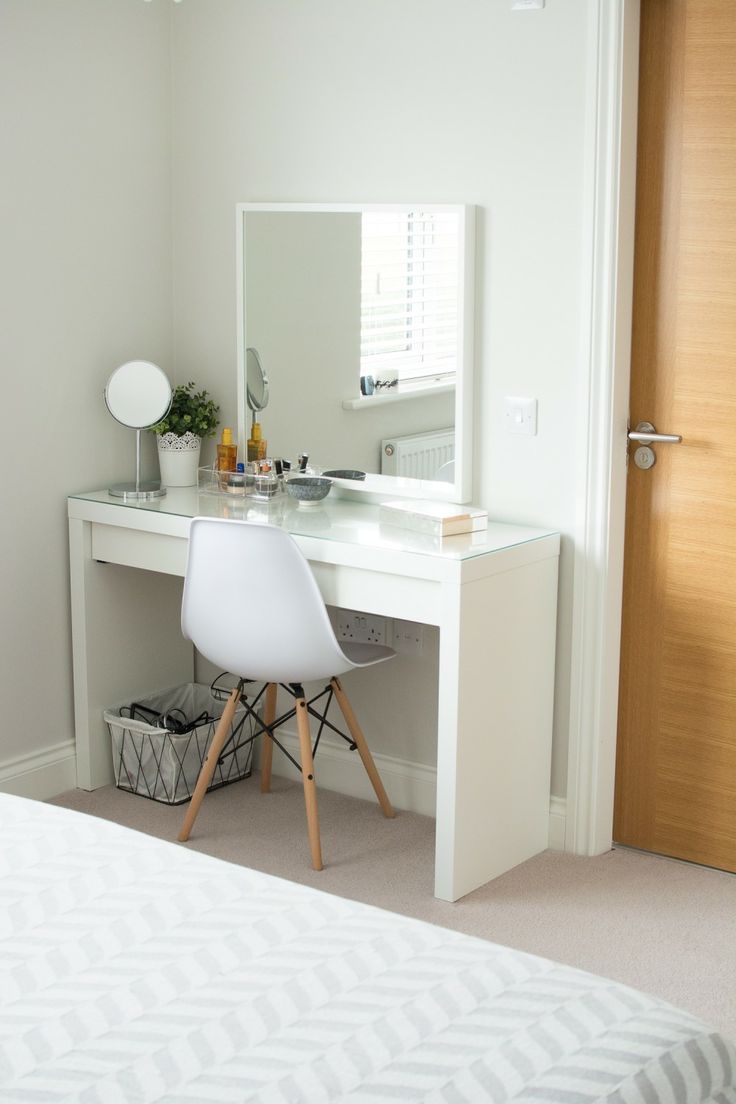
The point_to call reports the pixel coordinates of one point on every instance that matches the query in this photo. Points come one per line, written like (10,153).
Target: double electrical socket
(406,637)
(361,628)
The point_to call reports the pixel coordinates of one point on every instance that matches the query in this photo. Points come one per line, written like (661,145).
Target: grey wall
(85,284)
(422,101)
(129,133)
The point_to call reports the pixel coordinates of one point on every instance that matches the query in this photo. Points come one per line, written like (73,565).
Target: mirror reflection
(355,317)
(256,381)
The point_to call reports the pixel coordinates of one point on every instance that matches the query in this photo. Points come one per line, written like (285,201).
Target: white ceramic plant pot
(178,459)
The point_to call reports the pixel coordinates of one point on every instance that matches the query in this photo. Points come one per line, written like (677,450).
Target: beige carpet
(666,927)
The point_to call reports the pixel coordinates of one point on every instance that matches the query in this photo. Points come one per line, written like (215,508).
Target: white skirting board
(45,774)
(40,774)
(410,786)
(557,815)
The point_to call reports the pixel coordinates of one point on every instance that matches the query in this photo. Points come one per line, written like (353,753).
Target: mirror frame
(385,485)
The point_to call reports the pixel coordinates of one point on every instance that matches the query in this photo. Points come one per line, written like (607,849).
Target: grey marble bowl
(346,473)
(308,489)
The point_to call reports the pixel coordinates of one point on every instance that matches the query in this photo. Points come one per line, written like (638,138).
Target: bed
(135,970)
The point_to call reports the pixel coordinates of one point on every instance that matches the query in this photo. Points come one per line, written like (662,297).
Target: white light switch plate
(527,5)
(521,415)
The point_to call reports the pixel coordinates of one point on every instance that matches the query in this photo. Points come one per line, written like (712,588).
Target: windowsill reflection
(406,391)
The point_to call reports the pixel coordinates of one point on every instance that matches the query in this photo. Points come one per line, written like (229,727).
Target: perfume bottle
(236,482)
(227,452)
(256,444)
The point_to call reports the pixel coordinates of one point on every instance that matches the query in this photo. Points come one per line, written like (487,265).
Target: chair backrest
(252,606)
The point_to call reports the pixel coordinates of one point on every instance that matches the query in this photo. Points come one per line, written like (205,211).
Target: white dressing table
(493,596)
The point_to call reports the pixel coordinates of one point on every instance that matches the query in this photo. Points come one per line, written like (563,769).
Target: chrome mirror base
(141,492)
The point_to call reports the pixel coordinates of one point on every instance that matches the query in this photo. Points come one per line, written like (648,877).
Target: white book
(442,519)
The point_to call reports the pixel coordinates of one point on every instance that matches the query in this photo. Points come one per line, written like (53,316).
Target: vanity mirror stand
(138,395)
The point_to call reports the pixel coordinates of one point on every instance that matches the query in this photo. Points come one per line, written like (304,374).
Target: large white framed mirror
(362,318)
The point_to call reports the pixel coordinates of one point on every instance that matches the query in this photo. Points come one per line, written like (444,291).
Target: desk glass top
(334,519)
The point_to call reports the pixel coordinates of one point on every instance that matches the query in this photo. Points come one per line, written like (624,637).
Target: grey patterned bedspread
(135,970)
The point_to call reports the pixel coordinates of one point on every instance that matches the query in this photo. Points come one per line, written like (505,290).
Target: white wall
(85,284)
(423,100)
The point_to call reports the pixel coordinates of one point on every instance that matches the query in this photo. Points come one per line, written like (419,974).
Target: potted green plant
(192,416)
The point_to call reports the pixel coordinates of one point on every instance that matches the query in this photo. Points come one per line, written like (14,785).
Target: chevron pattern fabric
(136,970)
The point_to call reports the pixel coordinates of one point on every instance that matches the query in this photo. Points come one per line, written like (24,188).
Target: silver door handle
(646,433)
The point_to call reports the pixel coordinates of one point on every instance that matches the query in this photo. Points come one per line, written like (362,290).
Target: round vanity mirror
(138,394)
(256,381)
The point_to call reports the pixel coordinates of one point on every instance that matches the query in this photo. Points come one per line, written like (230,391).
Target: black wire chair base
(296,691)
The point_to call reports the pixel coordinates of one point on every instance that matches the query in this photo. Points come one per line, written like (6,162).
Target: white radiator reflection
(419,455)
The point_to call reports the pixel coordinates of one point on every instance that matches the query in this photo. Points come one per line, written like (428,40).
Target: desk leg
(126,642)
(496,679)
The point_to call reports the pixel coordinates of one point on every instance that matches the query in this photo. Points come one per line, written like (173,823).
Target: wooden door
(676,760)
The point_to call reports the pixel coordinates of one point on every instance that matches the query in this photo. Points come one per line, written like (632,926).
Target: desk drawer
(351,587)
(378,592)
(133,548)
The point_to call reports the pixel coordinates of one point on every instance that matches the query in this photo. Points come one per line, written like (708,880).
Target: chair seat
(362,655)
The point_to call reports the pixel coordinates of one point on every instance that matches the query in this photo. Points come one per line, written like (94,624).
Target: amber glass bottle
(227,452)
(257,446)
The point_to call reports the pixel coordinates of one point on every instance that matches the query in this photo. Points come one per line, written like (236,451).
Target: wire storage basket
(161,757)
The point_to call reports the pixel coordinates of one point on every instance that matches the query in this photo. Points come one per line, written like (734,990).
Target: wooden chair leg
(269,715)
(359,739)
(310,786)
(222,732)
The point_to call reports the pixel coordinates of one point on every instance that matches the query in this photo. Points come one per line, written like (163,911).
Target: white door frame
(601,492)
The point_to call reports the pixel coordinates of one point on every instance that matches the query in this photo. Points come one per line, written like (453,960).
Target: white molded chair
(252,607)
